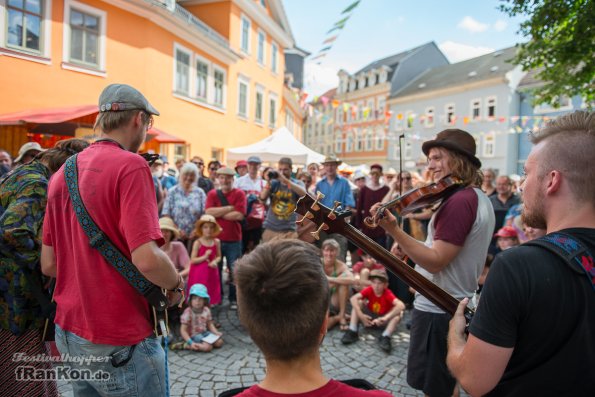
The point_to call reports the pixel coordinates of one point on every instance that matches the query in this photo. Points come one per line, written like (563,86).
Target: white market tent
(280,143)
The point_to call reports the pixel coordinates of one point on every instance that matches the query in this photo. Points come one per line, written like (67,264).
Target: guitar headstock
(327,219)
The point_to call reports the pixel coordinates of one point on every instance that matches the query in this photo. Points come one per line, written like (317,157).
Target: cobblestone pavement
(239,363)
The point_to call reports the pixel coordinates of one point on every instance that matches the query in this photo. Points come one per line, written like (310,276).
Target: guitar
(333,221)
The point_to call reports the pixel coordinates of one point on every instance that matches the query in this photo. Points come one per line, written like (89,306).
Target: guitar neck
(431,291)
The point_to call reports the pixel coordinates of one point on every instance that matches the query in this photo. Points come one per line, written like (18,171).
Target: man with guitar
(452,257)
(101,316)
(532,334)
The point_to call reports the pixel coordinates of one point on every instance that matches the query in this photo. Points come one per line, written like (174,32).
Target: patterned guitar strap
(571,250)
(99,241)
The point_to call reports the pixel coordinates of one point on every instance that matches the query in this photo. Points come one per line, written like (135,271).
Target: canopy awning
(48,116)
(163,137)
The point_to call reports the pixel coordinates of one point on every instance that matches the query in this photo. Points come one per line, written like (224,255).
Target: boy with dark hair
(381,309)
(283,297)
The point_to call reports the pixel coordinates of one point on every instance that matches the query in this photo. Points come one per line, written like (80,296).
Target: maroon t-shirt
(332,389)
(456,217)
(232,230)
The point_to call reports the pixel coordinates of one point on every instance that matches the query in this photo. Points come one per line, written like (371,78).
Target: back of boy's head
(283,298)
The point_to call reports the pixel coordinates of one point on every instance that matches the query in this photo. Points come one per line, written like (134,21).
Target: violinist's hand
(386,220)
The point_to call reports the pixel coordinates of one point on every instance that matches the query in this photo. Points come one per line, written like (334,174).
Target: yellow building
(214,69)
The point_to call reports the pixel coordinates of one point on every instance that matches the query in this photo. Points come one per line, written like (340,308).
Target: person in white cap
(100,314)
(27,152)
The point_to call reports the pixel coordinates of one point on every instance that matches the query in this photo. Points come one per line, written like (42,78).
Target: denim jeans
(231,250)
(143,375)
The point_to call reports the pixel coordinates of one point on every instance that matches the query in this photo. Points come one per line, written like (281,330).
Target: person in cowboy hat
(335,188)
(453,255)
(27,152)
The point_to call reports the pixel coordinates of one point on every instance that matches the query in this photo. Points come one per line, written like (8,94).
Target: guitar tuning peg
(315,206)
(316,234)
(308,215)
(331,214)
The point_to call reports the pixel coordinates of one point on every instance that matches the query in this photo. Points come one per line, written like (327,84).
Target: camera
(273,174)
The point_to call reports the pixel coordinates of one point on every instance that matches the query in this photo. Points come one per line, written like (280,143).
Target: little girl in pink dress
(206,253)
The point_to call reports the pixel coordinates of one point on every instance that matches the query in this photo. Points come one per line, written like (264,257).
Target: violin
(416,199)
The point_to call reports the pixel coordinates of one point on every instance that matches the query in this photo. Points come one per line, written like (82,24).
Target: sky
(462,29)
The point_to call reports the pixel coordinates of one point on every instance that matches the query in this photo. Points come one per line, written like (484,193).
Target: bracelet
(189,342)
(177,287)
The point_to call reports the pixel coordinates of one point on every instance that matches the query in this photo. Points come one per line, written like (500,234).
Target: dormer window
(383,77)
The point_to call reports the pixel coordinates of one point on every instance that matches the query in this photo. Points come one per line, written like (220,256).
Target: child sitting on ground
(383,309)
(197,324)
(361,270)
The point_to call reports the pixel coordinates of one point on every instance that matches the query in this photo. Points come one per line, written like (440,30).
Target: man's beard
(536,217)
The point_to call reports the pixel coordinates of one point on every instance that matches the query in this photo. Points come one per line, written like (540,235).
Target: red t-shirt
(232,230)
(357,268)
(94,300)
(379,305)
(332,389)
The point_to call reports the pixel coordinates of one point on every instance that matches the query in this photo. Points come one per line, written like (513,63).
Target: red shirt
(95,301)
(379,305)
(232,230)
(332,389)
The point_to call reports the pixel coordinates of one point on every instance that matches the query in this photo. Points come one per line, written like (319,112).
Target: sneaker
(349,337)
(385,343)
(233,306)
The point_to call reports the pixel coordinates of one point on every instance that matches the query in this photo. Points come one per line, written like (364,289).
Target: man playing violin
(452,256)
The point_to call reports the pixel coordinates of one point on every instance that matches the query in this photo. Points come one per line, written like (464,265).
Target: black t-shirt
(536,303)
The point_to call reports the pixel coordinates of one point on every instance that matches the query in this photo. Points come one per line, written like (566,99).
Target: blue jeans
(143,375)
(231,250)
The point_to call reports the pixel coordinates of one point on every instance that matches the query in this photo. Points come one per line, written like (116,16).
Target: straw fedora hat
(167,223)
(207,219)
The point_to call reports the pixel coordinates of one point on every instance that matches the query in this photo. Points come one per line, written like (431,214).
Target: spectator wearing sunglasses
(204,182)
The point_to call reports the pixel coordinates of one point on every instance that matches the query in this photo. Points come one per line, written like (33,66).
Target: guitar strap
(112,255)
(572,251)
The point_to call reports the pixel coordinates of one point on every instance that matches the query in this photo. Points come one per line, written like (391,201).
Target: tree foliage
(561,46)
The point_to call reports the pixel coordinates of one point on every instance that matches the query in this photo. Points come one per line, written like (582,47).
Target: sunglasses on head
(198,163)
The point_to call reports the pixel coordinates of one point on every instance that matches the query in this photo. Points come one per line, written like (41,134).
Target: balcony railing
(186,16)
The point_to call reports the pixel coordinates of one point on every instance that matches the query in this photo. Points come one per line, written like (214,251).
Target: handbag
(256,212)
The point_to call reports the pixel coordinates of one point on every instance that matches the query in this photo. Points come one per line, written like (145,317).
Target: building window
(245,34)
(259,105)
(369,141)
(408,150)
(182,71)
(274,56)
(562,103)
(381,108)
(261,45)
(242,98)
(263,3)
(24,24)
(84,38)
(289,123)
(202,76)
(370,114)
(449,110)
(272,110)
(349,142)
(338,143)
(219,87)
(489,145)
(379,139)
(476,110)
(429,117)
(491,111)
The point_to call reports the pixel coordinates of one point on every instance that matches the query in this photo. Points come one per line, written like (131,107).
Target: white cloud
(457,52)
(500,25)
(471,25)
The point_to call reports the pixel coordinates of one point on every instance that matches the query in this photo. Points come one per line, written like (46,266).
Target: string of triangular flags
(334,32)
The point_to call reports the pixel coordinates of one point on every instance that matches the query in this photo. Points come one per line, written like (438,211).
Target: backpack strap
(222,198)
(102,243)
(572,251)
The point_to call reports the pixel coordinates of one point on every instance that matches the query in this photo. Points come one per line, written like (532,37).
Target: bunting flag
(337,26)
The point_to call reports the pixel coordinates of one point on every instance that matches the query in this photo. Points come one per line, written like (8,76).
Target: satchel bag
(256,213)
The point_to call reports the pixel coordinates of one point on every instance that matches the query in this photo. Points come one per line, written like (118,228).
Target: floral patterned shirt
(23,198)
(184,209)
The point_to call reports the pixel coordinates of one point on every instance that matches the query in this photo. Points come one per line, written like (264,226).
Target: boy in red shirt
(382,309)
